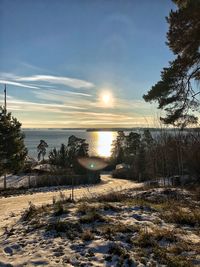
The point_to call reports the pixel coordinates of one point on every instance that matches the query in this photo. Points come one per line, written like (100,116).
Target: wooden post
(4,181)
(72,188)
(4,161)
(5,107)
(5,100)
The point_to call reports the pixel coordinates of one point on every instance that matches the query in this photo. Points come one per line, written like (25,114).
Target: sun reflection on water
(104,143)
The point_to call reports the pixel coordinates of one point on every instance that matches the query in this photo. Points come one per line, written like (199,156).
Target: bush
(58,180)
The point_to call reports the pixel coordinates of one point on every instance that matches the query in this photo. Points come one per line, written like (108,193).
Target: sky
(82,63)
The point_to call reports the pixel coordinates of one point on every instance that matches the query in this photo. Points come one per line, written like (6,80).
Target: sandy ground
(14,205)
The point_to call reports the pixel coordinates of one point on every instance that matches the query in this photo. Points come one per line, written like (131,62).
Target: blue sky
(82,63)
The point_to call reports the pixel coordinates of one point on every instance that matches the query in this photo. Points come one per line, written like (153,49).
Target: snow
(23,244)
(16,204)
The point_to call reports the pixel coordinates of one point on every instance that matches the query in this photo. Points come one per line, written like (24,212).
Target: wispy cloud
(71,82)
(65,98)
(45,81)
(33,106)
(18,84)
(58,94)
(62,115)
(52,103)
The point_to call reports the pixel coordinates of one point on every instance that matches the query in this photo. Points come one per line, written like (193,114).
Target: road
(11,207)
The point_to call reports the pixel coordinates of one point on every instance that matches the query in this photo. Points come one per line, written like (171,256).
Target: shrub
(63,179)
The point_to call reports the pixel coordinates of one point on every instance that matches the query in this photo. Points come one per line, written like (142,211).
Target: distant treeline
(143,129)
(163,155)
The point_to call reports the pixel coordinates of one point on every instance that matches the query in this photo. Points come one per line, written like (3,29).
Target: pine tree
(59,157)
(42,149)
(12,149)
(118,147)
(177,91)
(77,147)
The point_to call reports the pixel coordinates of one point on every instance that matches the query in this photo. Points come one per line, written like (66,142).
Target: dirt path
(11,207)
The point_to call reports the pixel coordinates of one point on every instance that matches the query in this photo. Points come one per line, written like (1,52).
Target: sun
(106,99)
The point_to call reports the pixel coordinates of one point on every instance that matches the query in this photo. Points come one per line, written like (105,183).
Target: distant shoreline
(110,129)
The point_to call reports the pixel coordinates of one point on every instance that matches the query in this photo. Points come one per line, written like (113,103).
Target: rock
(8,251)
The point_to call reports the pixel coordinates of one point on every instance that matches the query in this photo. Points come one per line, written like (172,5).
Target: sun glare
(104,143)
(106,99)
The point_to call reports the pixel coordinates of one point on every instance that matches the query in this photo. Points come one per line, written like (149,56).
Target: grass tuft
(87,235)
(92,216)
(71,229)
(162,255)
(113,196)
(30,212)
(182,216)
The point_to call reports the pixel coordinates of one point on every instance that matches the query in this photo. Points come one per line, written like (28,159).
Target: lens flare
(93,163)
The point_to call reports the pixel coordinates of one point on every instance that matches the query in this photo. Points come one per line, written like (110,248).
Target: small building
(122,166)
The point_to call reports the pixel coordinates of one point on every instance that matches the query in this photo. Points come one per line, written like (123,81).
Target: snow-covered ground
(16,204)
(108,228)
(15,181)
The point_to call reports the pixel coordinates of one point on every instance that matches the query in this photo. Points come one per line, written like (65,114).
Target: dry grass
(87,235)
(70,229)
(84,207)
(162,255)
(101,217)
(59,209)
(117,228)
(182,216)
(165,234)
(113,196)
(144,239)
(32,212)
(91,217)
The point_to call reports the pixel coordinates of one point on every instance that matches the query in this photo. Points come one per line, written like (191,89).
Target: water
(100,143)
